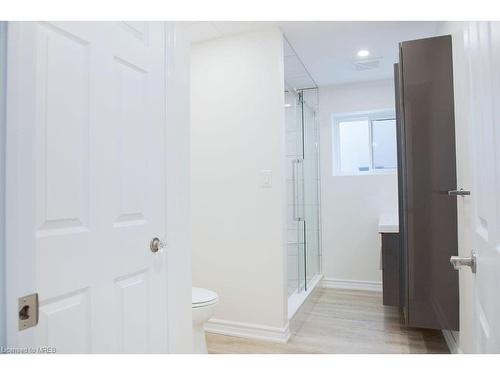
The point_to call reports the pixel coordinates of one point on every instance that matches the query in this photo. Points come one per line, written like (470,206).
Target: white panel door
(86,184)
(482,47)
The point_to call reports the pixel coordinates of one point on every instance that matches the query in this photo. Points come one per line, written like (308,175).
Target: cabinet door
(429,170)
(391,268)
(403,292)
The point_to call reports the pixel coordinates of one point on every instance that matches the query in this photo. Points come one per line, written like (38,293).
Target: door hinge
(27,311)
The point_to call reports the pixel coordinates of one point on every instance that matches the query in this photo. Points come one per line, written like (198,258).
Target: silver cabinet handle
(459,262)
(458,192)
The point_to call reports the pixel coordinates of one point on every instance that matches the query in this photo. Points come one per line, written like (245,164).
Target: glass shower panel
(302,164)
(300,214)
(295,245)
(303,246)
(311,193)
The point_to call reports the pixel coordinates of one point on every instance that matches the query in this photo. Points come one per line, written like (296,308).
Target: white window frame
(370,116)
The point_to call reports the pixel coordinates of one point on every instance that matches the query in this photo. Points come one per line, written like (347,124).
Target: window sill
(371,173)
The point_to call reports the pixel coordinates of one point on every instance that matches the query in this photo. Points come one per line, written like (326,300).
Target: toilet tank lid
(200,295)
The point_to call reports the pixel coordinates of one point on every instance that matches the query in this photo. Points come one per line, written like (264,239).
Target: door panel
(132,293)
(130,96)
(481,47)
(63,125)
(92,104)
(60,313)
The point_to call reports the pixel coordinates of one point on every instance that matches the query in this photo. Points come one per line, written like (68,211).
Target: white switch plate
(267,178)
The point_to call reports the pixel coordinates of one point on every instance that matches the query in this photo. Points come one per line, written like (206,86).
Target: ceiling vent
(365,64)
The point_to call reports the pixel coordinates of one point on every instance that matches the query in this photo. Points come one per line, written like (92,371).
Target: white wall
(238,130)
(351,205)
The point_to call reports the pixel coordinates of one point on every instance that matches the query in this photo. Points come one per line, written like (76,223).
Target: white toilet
(203,304)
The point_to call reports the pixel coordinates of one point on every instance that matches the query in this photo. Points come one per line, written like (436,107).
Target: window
(364,143)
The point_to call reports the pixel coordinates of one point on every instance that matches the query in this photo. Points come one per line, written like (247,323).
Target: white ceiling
(205,30)
(328,49)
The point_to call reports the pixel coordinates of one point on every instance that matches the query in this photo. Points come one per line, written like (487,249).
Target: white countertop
(388,223)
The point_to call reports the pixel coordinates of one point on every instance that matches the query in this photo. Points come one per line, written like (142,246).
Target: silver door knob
(459,262)
(156,245)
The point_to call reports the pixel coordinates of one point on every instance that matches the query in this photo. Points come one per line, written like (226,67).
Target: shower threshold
(296,299)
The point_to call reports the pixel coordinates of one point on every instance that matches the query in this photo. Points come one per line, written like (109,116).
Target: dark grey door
(427,144)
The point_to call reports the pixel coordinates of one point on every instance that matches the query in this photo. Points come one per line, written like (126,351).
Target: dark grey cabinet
(426,171)
(391,263)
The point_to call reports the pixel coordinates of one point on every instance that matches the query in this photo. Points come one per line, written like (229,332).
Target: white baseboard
(375,286)
(451,341)
(250,331)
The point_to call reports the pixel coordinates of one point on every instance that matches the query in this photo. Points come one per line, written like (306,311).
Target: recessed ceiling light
(363,53)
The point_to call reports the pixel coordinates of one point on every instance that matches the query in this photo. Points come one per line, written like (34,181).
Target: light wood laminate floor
(341,321)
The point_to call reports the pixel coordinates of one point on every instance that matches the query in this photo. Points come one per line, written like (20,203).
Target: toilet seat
(203,297)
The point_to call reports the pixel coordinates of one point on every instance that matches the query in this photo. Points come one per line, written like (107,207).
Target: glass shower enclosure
(303,240)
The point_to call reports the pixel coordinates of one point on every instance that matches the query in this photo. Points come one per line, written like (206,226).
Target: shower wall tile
(292,235)
(289,167)
(293,248)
